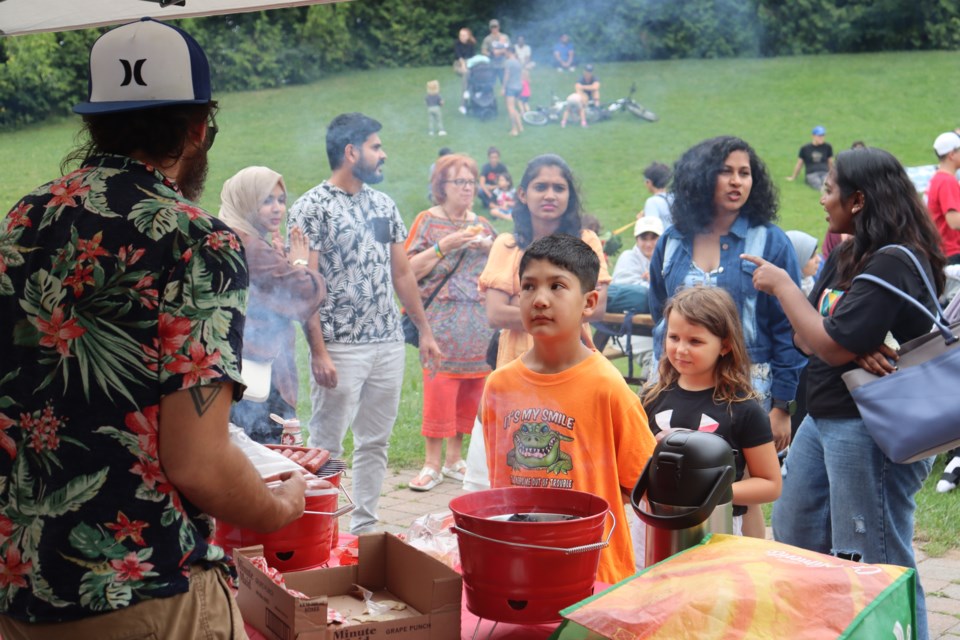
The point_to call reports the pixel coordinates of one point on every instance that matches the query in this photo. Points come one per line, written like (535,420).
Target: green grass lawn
(898,101)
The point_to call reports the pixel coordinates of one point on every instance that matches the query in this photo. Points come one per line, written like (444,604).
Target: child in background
(806,247)
(505,196)
(574,106)
(561,414)
(523,104)
(434,114)
(704,385)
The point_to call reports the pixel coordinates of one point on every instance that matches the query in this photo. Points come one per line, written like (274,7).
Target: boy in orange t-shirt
(561,415)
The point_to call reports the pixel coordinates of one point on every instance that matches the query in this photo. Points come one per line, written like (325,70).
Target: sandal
(434,479)
(457,471)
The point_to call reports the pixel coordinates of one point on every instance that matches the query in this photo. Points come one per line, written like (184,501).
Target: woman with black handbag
(448,246)
(841,493)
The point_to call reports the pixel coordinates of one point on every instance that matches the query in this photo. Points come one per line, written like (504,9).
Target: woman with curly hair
(841,494)
(725,204)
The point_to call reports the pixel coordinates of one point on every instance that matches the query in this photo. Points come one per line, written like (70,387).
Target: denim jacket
(766,330)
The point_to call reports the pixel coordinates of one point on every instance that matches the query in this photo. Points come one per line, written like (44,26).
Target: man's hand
(291,493)
(781,427)
(323,369)
(430,355)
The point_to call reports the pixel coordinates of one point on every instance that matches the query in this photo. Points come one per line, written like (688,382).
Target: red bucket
(526,572)
(302,544)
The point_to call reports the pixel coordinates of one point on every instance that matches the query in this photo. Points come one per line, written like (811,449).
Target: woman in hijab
(282,291)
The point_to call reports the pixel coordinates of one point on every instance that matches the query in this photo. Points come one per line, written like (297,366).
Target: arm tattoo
(203,397)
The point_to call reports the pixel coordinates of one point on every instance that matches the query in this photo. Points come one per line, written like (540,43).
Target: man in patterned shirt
(356,241)
(121,317)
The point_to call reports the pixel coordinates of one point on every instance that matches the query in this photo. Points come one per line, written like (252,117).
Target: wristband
(436,249)
(299,262)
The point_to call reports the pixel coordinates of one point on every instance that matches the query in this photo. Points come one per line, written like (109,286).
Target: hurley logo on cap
(133,73)
(145,64)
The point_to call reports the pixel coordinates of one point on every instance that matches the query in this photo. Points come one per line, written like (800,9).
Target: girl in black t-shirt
(704,384)
(841,494)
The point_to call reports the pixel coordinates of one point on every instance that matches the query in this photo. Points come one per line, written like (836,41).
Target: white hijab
(242,195)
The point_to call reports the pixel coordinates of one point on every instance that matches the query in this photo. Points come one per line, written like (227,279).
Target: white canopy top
(31,16)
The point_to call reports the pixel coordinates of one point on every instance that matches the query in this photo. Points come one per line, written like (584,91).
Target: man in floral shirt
(121,316)
(356,241)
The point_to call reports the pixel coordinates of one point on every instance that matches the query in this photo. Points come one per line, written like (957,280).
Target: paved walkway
(941,576)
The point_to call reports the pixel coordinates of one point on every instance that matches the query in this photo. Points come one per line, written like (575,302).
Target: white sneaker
(442,133)
(951,476)
(463,110)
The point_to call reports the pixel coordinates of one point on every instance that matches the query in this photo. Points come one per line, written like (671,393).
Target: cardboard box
(390,568)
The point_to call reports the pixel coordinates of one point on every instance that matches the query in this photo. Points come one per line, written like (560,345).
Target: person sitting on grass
(488,177)
(588,86)
(575,105)
(563,55)
(505,197)
(565,400)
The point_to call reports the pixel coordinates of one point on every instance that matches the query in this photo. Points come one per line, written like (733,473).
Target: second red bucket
(527,553)
(304,543)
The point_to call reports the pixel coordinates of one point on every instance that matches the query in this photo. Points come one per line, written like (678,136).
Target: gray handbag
(914,412)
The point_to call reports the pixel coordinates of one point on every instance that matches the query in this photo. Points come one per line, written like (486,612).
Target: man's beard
(365,173)
(193,174)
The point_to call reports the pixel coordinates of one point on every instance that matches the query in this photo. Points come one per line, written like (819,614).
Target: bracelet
(436,249)
(299,262)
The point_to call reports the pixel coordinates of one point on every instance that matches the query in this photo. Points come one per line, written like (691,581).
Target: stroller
(481,99)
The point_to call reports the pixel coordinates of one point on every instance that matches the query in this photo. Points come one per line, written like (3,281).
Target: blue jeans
(842,496)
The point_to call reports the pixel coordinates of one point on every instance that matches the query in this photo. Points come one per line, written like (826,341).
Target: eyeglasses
(460,182)
(211,133)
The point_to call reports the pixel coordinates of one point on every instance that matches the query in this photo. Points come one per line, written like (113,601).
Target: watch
(790,406)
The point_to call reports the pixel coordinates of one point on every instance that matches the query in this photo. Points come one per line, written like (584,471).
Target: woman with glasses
(447,247)
(282,291)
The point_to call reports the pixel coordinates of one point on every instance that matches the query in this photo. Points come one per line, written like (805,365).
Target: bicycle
(631,105)
(539,116)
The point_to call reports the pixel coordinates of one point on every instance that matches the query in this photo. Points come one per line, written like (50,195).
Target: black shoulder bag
(411,335)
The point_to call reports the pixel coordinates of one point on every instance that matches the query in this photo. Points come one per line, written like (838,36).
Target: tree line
(42,75)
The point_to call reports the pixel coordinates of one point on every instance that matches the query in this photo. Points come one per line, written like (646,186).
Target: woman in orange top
(547,202)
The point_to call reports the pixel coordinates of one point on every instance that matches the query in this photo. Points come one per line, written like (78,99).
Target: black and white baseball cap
(145,64)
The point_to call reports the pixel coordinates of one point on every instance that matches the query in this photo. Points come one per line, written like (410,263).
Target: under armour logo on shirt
(133,73)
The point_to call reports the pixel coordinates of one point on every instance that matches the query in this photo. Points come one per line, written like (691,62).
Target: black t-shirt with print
(742,424)
(491,173)
(859,320)
(816,157)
